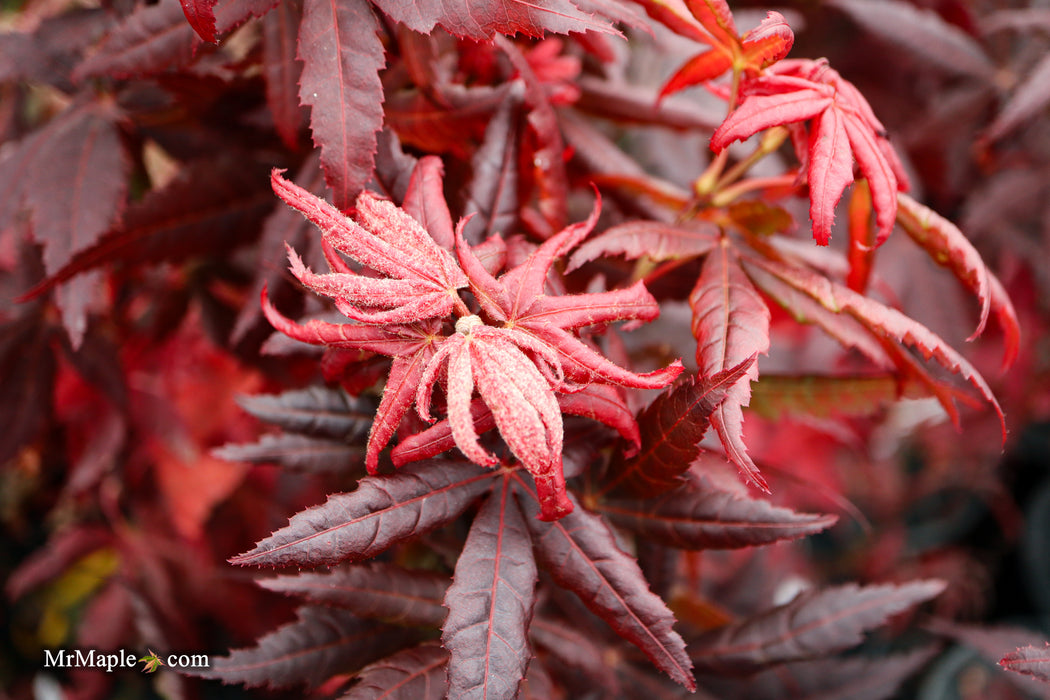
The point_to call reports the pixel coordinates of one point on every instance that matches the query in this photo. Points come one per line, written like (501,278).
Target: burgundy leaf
(490,603)
(417,673)
(201,16)
(580,553)
(425,201)
(671,428)
(575,648)
(886,323)
(284,226)
(320,644)
(814,624)
(317,411)
(152,39)
(1029,660)
(480,20)
(63,549)
(29,364)
(947,246)
(342,54)
(730,324)
(655,240)
(297,452)
(374,590)
(922,32)
(835,678)
(210,206)
(1028,100)
(282,70)
(355,526)
(493,191)
(698,516)
(81,145)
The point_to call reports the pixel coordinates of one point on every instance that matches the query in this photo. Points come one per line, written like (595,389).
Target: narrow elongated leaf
(374,590)
(210,206)
(321,643)
(834,678)
(814,624)
(480,20)
(342,54)
(152,39)
(490,603)
(580,553)
(574,647)
(947,245)
(381,512)
(297,452)
(317,410)
(730,324)
(699,69)
(425,201)
(281,69)
(493,191)
(922,32)
(653,239)
(671,428)
(889,324)
(417,673)
(701,517)
(1030,660)
(1028,100)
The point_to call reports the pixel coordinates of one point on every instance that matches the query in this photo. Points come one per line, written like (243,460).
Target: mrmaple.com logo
(108,661)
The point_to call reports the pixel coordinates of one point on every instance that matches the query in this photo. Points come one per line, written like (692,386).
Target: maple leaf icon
(152,662)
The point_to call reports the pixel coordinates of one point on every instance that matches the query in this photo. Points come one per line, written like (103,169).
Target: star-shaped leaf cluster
(518,348)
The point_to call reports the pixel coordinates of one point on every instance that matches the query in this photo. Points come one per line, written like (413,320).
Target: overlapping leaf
(653,239)
(321,643)
(730,324)
(374,590)
(490,603)
(342,54)
(814,624)
(580,553)
(671,428)
(382,511)
(417,673)
(481,20)
(697,516)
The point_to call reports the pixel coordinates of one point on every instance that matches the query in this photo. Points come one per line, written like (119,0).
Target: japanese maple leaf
(843,128)
(421,276)
(764,45)
(517,300)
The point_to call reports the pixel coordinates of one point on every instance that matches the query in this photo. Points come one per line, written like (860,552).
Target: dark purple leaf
(480,20)
(835,678)
(309,651)
(28,364)
(298,452)
(342,54)
(922,32)
(492,195)
(282,70)
(814,624)
(1027,101)
(490,603)
(151,40)
(374,590)
(211,206)
(671,428)
(580,553)
(993,642)
(382,511)
(574,648)
(417,673)
(698,516)
(317,411)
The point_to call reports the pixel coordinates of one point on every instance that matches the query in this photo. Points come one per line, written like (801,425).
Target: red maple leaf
(518,351)
(843,128)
